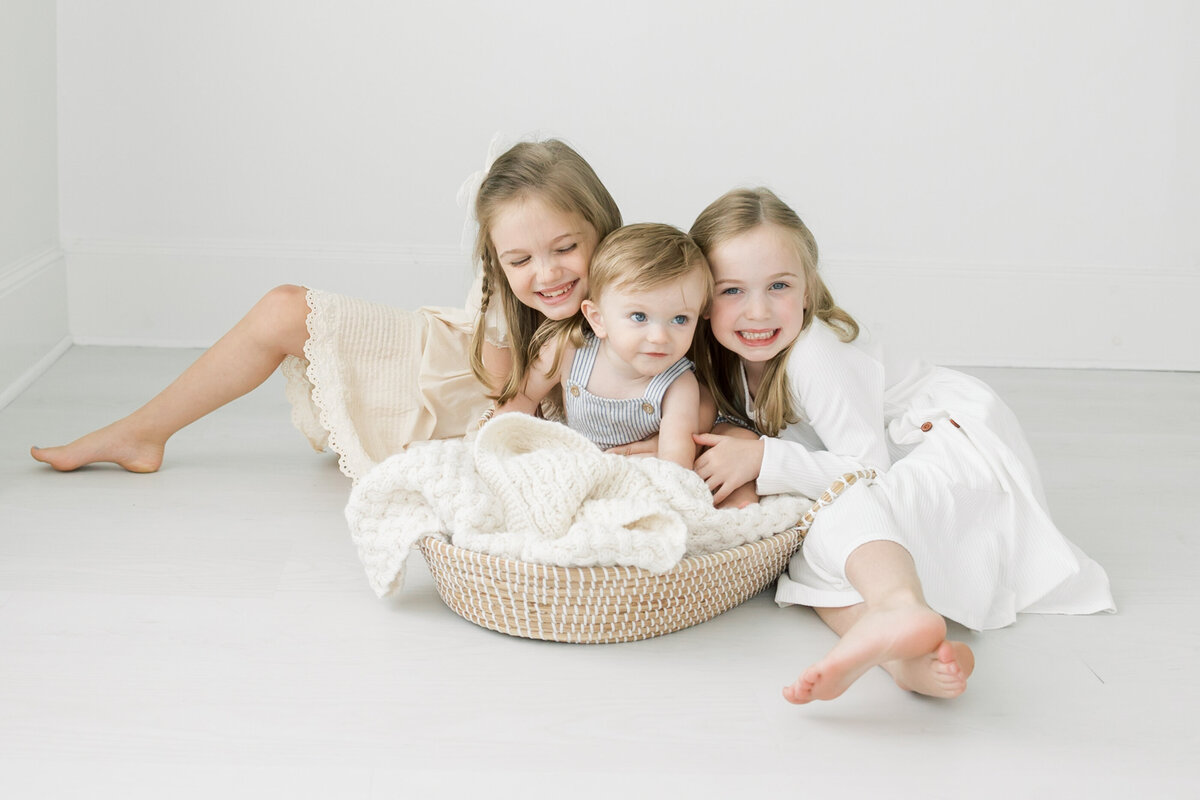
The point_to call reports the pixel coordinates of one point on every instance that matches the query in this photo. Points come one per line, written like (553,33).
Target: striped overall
(609,422)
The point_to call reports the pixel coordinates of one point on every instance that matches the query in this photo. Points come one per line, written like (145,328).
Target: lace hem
(298,391)
(375,378)
(321,372)
(314,416)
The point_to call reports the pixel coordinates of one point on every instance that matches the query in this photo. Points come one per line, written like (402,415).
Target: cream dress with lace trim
(375,378)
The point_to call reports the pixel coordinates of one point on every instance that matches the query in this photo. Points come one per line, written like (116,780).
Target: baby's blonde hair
(554,173)
(731,215)
(646,256)
(639,257)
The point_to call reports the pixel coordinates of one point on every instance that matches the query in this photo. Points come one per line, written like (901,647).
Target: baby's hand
(729,462)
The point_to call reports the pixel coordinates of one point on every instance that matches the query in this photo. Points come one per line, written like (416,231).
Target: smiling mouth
(758,338)
(557,292)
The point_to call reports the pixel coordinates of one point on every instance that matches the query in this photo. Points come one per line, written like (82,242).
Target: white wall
(33,305)
(991,182)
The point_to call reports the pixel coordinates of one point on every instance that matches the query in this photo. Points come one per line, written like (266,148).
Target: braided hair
(553,172)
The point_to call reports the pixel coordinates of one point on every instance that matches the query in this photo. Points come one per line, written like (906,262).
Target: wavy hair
(553,172)
(733,214)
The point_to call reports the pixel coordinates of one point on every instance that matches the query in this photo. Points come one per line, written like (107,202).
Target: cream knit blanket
(535,490)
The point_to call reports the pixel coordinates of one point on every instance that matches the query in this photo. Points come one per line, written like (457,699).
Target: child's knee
(280,318)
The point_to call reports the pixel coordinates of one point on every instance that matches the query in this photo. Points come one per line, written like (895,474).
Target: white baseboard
(33,319)
(34,371)
(978,313)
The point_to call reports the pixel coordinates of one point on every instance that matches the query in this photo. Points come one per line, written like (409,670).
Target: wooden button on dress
(927,426)
(574,390)
(649,409)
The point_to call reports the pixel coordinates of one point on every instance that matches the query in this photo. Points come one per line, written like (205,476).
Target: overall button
(649,409)
(927,426)
(574,390)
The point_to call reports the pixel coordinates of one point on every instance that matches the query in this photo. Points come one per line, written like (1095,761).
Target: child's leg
(241,360)
(892,628)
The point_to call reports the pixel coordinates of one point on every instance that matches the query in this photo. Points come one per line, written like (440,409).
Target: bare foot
(901,633)
(942,673)
(113,444)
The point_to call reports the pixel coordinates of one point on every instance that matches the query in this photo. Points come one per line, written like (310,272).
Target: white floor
(207,631)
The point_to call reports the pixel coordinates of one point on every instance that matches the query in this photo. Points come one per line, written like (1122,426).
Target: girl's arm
(497,361)
(680,421)
(538,382)
(839,389)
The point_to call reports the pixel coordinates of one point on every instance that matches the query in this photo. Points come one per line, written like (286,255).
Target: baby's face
(759,293)
(545,253)
(648,330)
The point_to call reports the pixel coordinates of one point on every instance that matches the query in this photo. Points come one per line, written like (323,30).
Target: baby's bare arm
(680,421)
(649,445)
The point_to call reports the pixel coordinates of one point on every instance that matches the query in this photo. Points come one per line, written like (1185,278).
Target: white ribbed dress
(957,486)
(376,378)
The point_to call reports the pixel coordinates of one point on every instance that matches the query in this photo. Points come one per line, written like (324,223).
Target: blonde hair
(554,173)
(731,215)
(637,257)
(646,256)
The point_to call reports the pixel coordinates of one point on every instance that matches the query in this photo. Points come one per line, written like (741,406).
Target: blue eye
(680,319)
(731,290)
(638,316)
(779,285)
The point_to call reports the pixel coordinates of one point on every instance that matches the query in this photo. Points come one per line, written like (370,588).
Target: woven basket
(594,605)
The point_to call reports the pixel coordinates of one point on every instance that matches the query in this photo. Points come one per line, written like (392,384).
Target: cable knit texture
(534,490)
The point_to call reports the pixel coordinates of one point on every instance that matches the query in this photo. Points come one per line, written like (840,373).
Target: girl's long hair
(733,214)
(553,172)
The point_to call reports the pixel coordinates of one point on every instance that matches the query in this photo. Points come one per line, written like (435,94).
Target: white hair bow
(470,188)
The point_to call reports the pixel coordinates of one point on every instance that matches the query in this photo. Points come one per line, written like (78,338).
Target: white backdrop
(992,182)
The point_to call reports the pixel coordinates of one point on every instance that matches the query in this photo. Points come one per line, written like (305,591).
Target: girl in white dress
(955,522)
(367,379)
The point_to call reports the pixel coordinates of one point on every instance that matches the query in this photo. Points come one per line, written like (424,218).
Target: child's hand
(740,497)
(728,463)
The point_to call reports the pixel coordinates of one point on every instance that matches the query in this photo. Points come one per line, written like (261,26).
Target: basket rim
(491,591)
(447,549)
